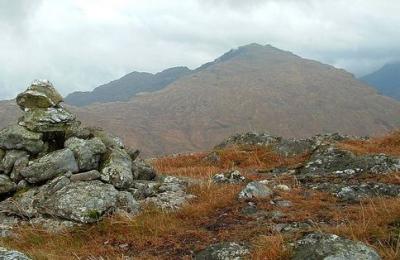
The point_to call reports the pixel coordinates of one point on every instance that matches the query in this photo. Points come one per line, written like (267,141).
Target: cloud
(80,44)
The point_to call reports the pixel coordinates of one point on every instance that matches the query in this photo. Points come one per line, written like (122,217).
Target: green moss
(93,214)
(19,193)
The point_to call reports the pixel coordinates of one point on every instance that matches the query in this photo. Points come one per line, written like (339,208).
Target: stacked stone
(61,169)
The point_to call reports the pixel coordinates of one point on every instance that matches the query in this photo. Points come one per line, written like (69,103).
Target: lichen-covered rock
(331,161)
(19,165)
(232,177)
(6,184)
(127,203)
(86,176)
(224,251)
(79,201)
(54,119)
(41,94)
(117,168)
(19,138)
(256,190)
(143,171)
(87,152)
(7,254)
(50,166)
(317,246)
(84,201)
(11,157)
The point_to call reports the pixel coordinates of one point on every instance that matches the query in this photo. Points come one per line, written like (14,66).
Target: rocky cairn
(52,168)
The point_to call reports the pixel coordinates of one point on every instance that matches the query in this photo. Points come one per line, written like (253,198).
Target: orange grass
(388,144)
(375,222)
(249,157)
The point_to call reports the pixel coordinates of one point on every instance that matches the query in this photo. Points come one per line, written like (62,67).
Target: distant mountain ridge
(251,88)
(386,80)
(128,86)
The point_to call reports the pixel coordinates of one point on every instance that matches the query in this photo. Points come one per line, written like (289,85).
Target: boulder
(41,94)
(86,176)
(117,168)
(84,202)
(54,119)
(50,166)
(143,171)
(87,152)
(7,254)
(18,137)
(11,157)
(256,190)
(328,246)
(224,251)
(6,184)
(78,201)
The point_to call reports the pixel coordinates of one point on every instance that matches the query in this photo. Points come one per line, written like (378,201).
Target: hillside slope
(252,88)
(128,86)
(386,80)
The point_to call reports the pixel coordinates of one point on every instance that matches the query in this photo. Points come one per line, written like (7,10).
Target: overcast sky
(80,44)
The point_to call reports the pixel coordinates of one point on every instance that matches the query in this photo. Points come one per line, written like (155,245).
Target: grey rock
(6,184)
(83,202)
(224,251)
(127,203)
(7,254)
(143,171)
(22,185)
(283,203)
(48,120)
(317,246)
(22,204)
(11,157)
(232,177)
(133,153)
(117,168)
(19,138)
(50,166)
(40,94)
(86,176)
(79,132)
(169,193)
(19,165)
(256,190)
(249,209)
(87,152)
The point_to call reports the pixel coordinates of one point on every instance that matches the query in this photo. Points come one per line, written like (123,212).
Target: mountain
(386,80)
(128,86)
(252,88)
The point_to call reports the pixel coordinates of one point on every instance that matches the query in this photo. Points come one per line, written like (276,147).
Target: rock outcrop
(53,169)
